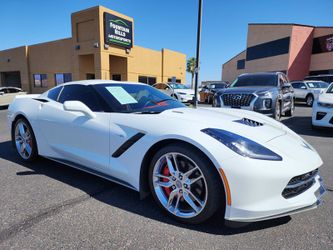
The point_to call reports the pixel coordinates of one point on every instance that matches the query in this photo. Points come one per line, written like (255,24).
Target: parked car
(308,91)
(322,111)
(208,91)
(325,78)
(176,90)
(7,95)
(194,162)
(267,93)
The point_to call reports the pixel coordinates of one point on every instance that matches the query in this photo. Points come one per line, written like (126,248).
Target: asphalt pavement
(46,205)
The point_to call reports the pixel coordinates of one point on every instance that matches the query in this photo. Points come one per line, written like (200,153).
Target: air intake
(249,122)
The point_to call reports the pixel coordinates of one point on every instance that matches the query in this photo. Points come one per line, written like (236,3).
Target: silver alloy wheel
(23,140)
(179,185)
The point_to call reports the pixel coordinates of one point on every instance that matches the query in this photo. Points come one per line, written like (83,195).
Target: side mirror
(303,87)
(77,106)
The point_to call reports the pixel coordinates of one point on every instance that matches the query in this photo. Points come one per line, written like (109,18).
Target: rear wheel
(24,140)
(309,100)
(184,184)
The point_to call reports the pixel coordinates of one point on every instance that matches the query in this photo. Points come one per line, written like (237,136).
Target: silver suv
(269,93)
(308,91)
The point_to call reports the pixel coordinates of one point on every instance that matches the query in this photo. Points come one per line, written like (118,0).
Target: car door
(72,137)
(303,90)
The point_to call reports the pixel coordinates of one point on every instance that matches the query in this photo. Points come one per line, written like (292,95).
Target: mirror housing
(77,106)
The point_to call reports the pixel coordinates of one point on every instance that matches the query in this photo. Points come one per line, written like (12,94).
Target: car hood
(230,120)
(325,98)
(186,91)
(247,90)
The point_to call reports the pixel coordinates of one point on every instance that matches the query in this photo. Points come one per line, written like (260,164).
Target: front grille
(237,100)
(299,184)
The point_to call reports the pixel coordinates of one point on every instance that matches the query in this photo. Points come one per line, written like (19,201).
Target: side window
(295,85)
(54,93)
(302,86)
(83,94)
(13,90)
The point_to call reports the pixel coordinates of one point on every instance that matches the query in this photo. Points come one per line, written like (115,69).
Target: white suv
(308,91)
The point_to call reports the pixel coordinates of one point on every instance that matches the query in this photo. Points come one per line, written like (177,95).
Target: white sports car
(322,111)
(195,162)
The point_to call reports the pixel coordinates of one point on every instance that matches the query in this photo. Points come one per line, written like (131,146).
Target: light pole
(197,68)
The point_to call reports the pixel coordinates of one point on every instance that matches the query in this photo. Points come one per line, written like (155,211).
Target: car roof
(96,82)
(262,73)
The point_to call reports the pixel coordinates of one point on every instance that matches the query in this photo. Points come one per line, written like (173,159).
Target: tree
(190,68)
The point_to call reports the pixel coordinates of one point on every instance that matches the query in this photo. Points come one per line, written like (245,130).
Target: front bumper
(326,121)
(257,186)
(309,200)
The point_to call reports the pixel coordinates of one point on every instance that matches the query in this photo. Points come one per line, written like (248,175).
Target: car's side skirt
(92,171)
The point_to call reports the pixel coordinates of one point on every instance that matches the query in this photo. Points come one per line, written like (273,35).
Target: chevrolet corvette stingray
(194,162)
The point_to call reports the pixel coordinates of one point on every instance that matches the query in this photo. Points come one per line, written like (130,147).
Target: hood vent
(249,122)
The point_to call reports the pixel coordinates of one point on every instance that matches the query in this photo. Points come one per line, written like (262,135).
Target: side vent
(249,122)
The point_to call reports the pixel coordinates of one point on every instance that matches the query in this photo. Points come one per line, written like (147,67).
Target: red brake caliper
(166,172)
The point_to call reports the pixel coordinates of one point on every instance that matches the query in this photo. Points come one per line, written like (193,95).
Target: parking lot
(47,205)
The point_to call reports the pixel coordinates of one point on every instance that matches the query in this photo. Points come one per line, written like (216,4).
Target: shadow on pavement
(121,197)
(302,125)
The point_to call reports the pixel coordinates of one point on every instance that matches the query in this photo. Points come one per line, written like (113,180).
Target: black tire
(34,151)
(215,198)
(290,112)
(309,100)
(277,111)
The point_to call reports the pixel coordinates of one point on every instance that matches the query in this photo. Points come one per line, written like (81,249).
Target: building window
(177,80)
(116,77)
(40,80)
(62,78)
(147,80)
(273,48)
(322,44)
(241,64)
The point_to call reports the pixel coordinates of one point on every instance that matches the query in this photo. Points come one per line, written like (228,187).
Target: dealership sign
(118,31)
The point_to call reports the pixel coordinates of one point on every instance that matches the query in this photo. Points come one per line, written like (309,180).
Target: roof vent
(249,122)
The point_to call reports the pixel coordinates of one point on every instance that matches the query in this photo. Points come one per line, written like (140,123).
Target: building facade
(297,50)
(101,47)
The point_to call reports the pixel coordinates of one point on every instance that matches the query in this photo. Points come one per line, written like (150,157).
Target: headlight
(242,146)
(267,103)
(265,94)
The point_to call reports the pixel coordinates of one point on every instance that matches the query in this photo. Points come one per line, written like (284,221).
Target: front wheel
(24,140)
(184,184)
(290,112)
(277,111)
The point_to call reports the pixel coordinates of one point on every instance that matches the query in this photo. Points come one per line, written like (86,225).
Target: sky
(161,24)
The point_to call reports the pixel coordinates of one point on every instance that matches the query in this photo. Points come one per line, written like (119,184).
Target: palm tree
(190,68)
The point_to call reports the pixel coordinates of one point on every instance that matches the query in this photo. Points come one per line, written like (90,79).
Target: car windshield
(317,85)
(136,98)
(178,86)
(330,89)
(255,80)
(217,86)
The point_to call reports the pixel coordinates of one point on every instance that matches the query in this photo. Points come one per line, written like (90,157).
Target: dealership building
(297,50)
(101,47)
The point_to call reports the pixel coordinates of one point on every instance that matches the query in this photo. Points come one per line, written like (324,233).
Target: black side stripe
(127,144)
(40,100)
